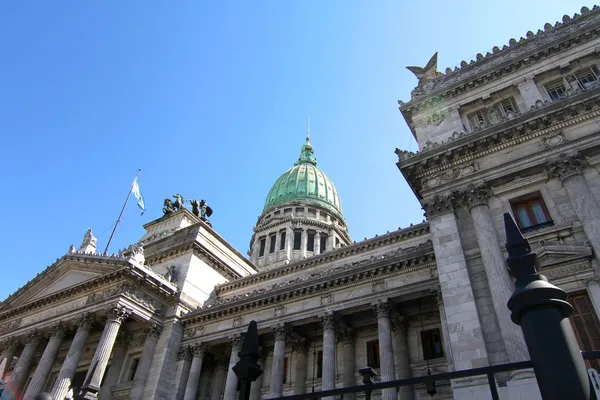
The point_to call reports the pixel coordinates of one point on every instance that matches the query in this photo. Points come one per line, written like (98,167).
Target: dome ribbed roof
(305,182)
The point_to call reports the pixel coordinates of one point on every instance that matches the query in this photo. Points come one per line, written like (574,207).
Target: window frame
(373,355)
(584,72)
(552,86)
(297,240)
(527,202)
(481,118)
(323,243)
(310,241)
(429,352)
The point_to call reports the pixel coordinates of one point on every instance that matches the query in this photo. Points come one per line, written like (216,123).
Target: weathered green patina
(305,182)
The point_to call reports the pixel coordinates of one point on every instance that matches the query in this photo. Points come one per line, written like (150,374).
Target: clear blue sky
(210,99)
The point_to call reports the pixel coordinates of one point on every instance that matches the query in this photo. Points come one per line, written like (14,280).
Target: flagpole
(122,210)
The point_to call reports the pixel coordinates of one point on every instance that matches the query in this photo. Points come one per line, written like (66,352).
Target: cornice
(329,256)
(551,118)
(130,272)
(354,274)
(533,49)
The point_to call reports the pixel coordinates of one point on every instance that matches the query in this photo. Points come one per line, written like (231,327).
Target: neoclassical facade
(515,130)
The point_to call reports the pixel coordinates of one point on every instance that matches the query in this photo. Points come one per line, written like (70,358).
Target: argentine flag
(135,189)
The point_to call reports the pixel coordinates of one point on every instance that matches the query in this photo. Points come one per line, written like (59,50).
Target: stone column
(184,364)
(467,343)
(289,237)
(348,338)
(386,353)
(256,388)
(300,349)
(57,334)
(277,241)
(499,281)
(141,374)
(439,300)
(277,369)
(21,371)
(69,366)
(232,381)
(317,243)
(191,387)
(112,373)
(401,351)
(115,316)
(570,170)
(220,374)
(329,322)
(304,242)
(11,345)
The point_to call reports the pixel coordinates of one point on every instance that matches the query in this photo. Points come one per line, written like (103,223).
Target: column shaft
(403,369)
(231,382)
(112,373)
(304,243)
(17,380)
(386,353)
(45,364)
(349,359)
(300,353)
(184,364)
(328,380)
(141,374)
(115,316)
(499,281)
(256,388)
(10,349)
(586,208)
(191,387)
(277,368)
(289,237)
(317,243)
(220,375)
(69,366)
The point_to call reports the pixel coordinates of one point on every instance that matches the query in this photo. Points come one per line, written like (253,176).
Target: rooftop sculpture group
(199,208)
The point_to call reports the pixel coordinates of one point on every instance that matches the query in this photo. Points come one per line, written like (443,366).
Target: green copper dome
(305,182)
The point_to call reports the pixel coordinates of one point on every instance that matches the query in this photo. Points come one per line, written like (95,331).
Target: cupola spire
(307,151)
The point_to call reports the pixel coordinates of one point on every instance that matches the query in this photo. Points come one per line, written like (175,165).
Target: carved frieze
(131,291)
(193,332)
(237,321)
(10,325)
(554,140)
(378,285)
(566,270)
(279,311)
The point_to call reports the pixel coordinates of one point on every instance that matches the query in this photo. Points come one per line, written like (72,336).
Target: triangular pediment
(65,273)
(551,255)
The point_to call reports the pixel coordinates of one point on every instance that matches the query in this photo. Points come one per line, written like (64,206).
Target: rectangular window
(585,324)
(285,369)
(556,90)
(299,212)
(586,77)
(477,120)
(431,341)
(282,241)
(531,213)
(373,354)
(263,243)
(323,243)
(272,240)
(297,240)
(508,105)
(319,364)
(133,368)
(310,244)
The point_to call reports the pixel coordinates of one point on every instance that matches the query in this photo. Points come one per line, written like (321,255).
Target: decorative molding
(329,321)
(279,311)
(451,175)
(281,331)
(193,332)
(473,195)
(382,308)
(10,325)
(438,205)
(554,140)
(378,286)
(198,350)
(566,270)
(237,321)
(185,354)
(326,298)
(519,183)
(567,165)
(436,118)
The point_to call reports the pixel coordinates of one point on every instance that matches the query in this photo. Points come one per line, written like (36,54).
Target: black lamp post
(541,309)
(248,369)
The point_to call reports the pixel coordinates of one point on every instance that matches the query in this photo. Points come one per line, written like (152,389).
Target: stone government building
(515,130)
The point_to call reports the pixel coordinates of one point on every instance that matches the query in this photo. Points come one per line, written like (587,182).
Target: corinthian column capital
(32,337)
(117,313)
(85,321)
(438,205)
(153,331)
(328,321)
(236,340)
(474,195)
(280,331)
(567,165)
(58,330)
(10,344)
(382,308)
